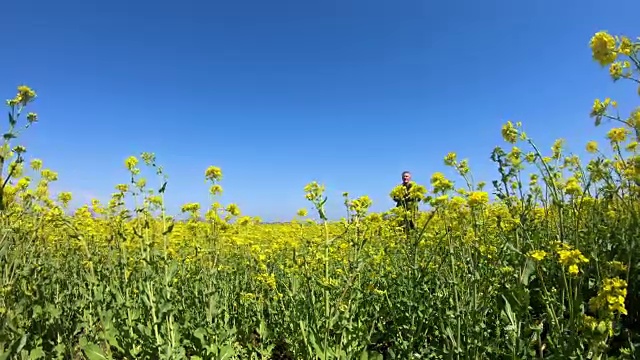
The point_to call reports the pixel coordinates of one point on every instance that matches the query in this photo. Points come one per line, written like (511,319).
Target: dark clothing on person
(408,203)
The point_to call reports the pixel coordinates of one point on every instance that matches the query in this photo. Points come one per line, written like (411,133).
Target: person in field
(407,202)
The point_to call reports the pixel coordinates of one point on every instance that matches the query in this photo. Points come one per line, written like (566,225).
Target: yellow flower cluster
(611,297)
(570,258)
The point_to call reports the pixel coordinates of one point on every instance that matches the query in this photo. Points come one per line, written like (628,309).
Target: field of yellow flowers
(549,269)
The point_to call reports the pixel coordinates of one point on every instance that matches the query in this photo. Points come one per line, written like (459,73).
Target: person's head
(406,177)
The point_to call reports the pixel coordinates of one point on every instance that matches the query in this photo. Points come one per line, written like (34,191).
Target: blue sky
(280,93)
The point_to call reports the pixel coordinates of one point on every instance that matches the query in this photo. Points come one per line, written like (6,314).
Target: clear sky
(279,93)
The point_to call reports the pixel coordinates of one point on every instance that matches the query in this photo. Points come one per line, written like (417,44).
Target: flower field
(543,262)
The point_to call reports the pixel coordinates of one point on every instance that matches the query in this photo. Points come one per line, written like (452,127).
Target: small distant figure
(406,182)
(406,179)
(407,202)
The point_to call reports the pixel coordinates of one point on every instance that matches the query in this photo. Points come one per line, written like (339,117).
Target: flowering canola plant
(547,267)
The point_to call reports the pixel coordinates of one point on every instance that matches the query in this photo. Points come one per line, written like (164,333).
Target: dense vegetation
(549,269)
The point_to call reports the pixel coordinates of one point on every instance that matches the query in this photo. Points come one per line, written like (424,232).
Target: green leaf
(22,343)
(169,229)
(528,270)
(163,188)
(226,352)
(93,352)
(36,353)
(200,334)
(9,136)
(12,121)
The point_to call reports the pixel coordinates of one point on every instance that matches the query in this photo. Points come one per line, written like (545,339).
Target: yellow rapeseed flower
(556,148)
(233,209)
(191,207)
(618,135)
(131,162)
(509,133)
(603,47)
(215,189)
(573,269)
(268,280)
(25,95)
(611,297)
(571,258)
(615,70)
(314,191)
(600,107)
(537,255)
(592,146)
(440,183)
(450,159)
(213,173)
(36,164)
(626,46)
(23,183)
(573,187)
(617,266)
(65,198)
(49,175)
(477,198)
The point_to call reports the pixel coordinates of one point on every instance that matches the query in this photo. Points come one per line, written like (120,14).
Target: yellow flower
(131,162)
(573,269)
(570,258)
(450,159)
(626,47)
(314,191)
(440,183)
(537,255)
(191,207)
(49,175)
(611,297)
(617,135)
(618,266)
(36,164)
(233,209)
(141,183)
(592,147)
(603,47)
(267,279)
(615,70)
(215,189)
(556,148)
(360,205)
(477,198)
(509,133)
(600,107)
(64,198)
(25,94)
(213,173)
(23,183)
(573,187)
